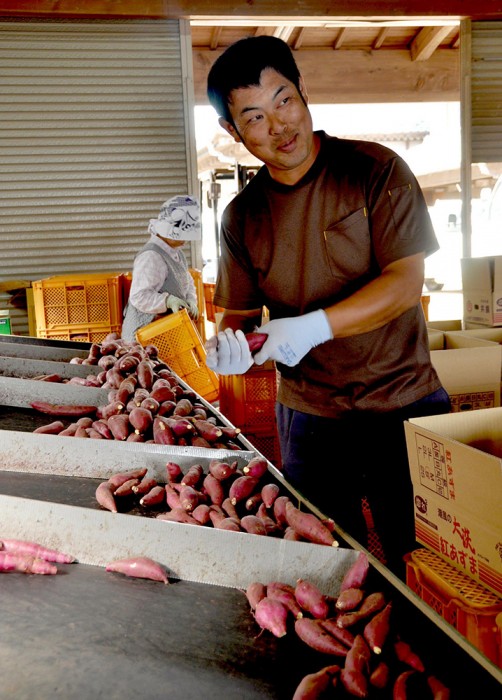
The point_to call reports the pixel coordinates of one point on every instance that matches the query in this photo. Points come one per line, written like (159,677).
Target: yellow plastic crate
(85,334)
(180,347)
(471,609)
(78,300)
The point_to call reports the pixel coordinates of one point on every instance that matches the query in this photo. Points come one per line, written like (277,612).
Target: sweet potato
(163,393)
(315,636)
(52,409)
(399,690)
(292,535)
(162,432)
(438,689)
(207,430)
(105,497)
(21,563)
(189,497)
(221,470)
(380,675)
(272,615)
(179,425)
(377,629)
(227,524)
(354,682)
(183,407)
(33,549)
(287,598)
(357,573)
(214,489)
(279,510)
(144,372)
(309,526)
(201,513)
(313,685)
(141,419)
(174,472)
(372,603)
(311,599)
(193,476)
(53,428)
(256,467)
(256,341)
(349,599)
(343,635)
(241,488)
(231,510)
(253,525)
(139,567)
(144,485)
(101,426)
(359,655)
(255,592)
(121,477)
(269,493)
(253,502)
(127,488)
(154,497)
(178,515)
(119,426)
(405,653)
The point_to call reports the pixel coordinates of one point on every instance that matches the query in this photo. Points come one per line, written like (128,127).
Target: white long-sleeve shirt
(148,277)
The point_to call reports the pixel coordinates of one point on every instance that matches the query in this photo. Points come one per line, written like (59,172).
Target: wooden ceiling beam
(361,77)
(337,44)
(427,41)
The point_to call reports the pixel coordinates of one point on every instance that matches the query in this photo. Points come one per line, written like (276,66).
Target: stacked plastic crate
(81,307)
(248,401)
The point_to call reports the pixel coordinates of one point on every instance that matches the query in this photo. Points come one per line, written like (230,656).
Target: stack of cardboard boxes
(456,459)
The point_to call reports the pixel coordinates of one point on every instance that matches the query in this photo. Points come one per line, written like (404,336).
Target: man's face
(274,124)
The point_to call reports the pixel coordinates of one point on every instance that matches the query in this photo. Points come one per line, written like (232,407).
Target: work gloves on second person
(175,304)
(289,340)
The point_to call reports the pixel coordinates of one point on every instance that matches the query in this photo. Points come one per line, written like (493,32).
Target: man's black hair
(241,65)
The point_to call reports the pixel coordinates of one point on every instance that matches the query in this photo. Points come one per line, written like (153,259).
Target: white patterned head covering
(178,219)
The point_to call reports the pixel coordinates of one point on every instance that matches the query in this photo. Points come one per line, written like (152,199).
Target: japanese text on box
(434,466)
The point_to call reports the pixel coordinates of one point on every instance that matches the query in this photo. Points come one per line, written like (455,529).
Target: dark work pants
(335,463)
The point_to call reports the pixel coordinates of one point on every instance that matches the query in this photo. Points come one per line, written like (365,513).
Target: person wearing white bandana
(161,281)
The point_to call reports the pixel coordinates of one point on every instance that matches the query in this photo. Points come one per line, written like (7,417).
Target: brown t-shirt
(299,248)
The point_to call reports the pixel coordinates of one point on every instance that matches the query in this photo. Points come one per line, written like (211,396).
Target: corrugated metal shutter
(486,91)
(93,125)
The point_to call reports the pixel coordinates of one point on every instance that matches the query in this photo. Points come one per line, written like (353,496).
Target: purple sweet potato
(256,467)
(241,488)
(269,493)
(354,682)
(377,629)
(349,599)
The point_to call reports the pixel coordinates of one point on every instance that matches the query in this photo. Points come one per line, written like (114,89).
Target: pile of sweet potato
(146,403)
(226,497)
(361,652)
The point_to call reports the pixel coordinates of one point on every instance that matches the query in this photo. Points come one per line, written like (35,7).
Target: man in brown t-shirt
(330,235)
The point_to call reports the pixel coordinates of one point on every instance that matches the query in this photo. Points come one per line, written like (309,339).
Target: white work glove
(175,303)
(290,339)
(228,353)
(193,309)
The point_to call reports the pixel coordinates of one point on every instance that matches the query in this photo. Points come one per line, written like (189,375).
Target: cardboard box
(482,290)
(447,325)
(456,468)
(470,369)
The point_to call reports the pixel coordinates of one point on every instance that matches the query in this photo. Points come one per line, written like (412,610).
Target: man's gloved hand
(175,303)
(193,309)
(228,353)
(290,339)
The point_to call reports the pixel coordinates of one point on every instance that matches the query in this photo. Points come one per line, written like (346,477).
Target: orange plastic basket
(211,309)
(85,334)
(471,609)
(248,400)
(180,347)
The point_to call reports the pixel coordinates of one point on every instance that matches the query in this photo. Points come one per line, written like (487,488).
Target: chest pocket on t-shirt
(348,245)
